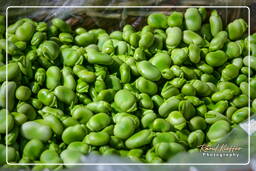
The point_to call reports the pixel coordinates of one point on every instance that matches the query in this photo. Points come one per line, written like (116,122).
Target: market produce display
(180,82)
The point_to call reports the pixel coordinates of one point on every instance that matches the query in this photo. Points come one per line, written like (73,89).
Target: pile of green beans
(180,82)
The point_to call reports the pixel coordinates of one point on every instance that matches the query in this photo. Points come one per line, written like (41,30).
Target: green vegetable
(147,94)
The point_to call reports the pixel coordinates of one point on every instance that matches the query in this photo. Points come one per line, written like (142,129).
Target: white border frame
(155,7)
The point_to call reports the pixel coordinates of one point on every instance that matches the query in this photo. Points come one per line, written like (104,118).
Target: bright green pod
(125,101)
(99,84)
(188,90)
(189,73)
(19,118)
(79,146)
(98,122)
(179,55)
(139,139)
(229,85)
(11,152)
(13,72)
(50,156)
(218,41)
(233,49)
(177,120)
(108,47)
(148,70)
(193,19)
(49,49)
(236,29)
(167,137)
(202,88)
(65,95)
(146,40)
(240,115)
(66,38)
(116,35)
(175,19)
(3,120)
(25,31)
(33,149)
(54,123)
(40,76)
(80,30)
(205,68)
(23,93)
(69,156)
(139,54)
(213,116)
(99,107)
(145,101)
(161,60)
(167,150)
(190,37)
(122,48)
(196,138)
(220,106)
(240,101)
(216,58)
(246,71)
(169,90)
(187,109)
(53,77)
(174,37)
(84,39)
(148,119)
(81,113)
(83,99)
(146,86)
(225,94)
(194,100)
(125,73)
(161,125)
(229,112)
(97,138)
(215,22)
(46,97)
(73,133)
(7,90)
(106,95)
(61,25)
(71,56)
(206,32)
(96,57)
(33,130)
(68,78)
(197,123)
(27,109)
(229,72)
(218,130)
(124,128)
(86,76)
(194,53)
(119,116)
(167,74)
(132,64)
(168,106)
(37,38)
(69,121)
(157,20)
(251,60)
